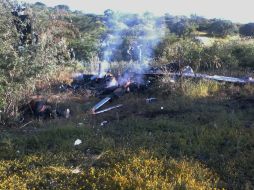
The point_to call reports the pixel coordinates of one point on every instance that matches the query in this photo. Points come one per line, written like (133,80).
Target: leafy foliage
(181,26)
(222,28)
(221,55)
(22,67)
(247,29)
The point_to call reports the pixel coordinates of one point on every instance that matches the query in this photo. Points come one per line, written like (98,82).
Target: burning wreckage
(138,78)
(110,87)
(40,108)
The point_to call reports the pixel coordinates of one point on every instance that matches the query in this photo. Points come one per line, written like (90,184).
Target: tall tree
(247,29)
(22,66)
(222,28)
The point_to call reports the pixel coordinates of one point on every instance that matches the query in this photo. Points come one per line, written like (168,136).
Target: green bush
(227,56)
(244,53)
(21,68)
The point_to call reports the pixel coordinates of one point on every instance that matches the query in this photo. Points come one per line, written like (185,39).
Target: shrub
(21,68)
(244,53)
(183,52)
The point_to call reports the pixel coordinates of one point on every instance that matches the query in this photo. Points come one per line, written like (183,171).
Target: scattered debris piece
(88,151)
(26,124)
(76,171)
(77,142)
(101,103)
(188,70)
(108,109)
(150,100)
(243,80)
(67,113)
(162,108)
(172,80)
(104,123)
(80,124)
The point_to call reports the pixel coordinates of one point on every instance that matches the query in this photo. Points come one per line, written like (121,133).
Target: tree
(222,28)
(201,22)
(40,4)
(247,29)
(62,7)
(21,68)
(182,52)
(181,26)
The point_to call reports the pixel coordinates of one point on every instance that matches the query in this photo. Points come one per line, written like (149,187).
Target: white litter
(149,100)
(77,142)
(76,171)
(104,123)
(80,124)
(67,113)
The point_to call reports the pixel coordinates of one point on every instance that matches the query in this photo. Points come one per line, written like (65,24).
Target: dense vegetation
(198,135)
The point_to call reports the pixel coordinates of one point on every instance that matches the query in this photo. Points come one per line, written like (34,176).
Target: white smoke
(140,32)
(103,69)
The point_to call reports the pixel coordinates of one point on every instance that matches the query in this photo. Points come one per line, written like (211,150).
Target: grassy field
(198,135)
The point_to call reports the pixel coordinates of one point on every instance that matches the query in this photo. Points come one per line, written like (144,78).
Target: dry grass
(138,171)
(63,75)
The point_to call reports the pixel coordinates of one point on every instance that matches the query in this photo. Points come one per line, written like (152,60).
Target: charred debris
(109,87)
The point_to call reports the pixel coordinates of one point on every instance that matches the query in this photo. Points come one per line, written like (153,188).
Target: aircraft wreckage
(136,79)
(108,87)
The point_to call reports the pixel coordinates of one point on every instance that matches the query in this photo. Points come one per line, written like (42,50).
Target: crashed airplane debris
(107,84)
(188,72)
(149,100)
(41,109)
(108,109)
(101,103)
(131,80)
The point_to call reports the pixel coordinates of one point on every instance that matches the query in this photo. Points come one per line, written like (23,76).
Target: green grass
(194,142)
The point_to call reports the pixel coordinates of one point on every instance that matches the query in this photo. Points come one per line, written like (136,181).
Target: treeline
(86,34)
(182,26)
